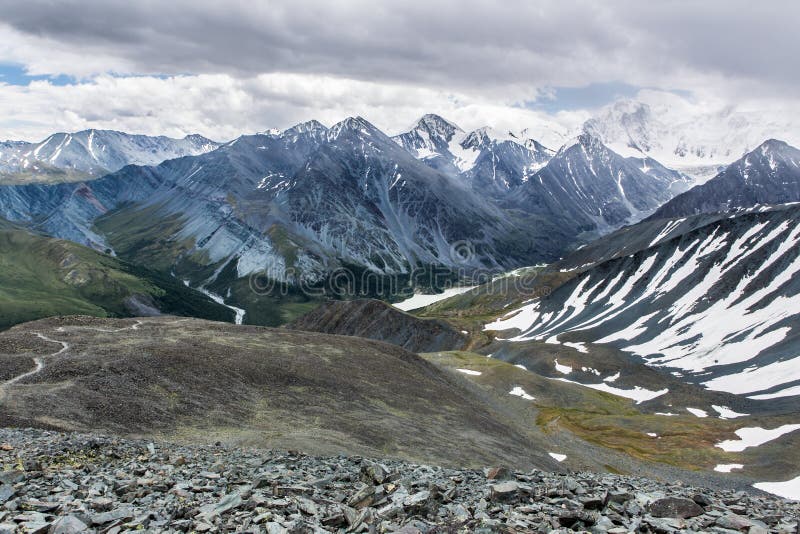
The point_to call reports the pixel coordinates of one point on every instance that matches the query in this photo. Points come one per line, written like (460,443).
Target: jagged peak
(352,124)
(773,145)
(431,121)
(483,136)
(312,125)
(586,140)
(199,138)
(770,152)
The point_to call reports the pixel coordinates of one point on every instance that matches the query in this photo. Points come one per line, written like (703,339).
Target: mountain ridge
(770,174)
(90,154)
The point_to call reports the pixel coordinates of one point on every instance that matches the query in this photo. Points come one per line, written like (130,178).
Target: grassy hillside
(43,277)
(625,436)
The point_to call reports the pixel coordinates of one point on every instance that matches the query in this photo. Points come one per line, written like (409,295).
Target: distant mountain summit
(770,174)
(490,162)
(588,187)
(682,135)
(90,154)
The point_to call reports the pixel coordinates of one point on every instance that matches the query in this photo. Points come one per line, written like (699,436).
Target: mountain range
(299,204)
(90,154)
(631,322)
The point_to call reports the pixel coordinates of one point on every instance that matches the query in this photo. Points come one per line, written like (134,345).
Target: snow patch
(726,413)
(788,490)
(580,347)
(697,412)
(420,301)
(519,392)
(727,468)
(563,369)
(639,394)
(755,436)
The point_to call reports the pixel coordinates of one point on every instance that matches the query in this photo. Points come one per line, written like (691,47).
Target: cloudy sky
(223,68)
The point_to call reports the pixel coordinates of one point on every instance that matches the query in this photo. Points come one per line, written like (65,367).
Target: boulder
(675,507)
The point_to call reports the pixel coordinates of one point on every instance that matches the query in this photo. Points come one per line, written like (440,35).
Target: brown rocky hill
(191,380)
(373,319)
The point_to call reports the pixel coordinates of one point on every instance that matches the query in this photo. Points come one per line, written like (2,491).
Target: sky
(226,68)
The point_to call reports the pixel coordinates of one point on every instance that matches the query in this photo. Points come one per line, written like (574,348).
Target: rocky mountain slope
(716,304)
(324,394)
(304,200)
(319,393)
(586,187)
(157,486)
(90,154)
(770,174)
(42,277)
(373,319)
(490,162)
(607,399)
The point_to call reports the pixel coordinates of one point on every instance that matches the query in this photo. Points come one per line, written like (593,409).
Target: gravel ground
(62,483)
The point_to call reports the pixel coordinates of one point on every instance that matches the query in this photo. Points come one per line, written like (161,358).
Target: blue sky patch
(13,74)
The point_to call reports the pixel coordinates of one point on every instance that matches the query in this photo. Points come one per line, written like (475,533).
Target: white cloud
(225,68)
(222,106)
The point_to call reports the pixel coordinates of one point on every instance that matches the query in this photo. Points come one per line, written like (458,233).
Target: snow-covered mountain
(770,174)
(718,304)
(90,154)
(694,139)
(585,185)
(302,202)
(588,187)
(491,162)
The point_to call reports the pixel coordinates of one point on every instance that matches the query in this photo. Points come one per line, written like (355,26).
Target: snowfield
(420,300)
(789,489)
(755,436)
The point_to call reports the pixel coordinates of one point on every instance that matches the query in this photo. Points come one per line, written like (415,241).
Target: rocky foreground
(61,483)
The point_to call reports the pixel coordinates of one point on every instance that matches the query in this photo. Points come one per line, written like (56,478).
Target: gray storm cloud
(452,44)
(223,68)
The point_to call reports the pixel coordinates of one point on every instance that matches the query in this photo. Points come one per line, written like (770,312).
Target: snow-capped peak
(437,125)
(306,127)
(589,142)
(93,153)
(487,134)
(352,124)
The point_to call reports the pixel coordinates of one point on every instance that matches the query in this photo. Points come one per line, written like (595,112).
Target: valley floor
(60,482)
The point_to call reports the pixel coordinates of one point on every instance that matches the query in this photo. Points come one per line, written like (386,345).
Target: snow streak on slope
(721,303)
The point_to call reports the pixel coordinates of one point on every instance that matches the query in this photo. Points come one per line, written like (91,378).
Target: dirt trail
(39,361)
